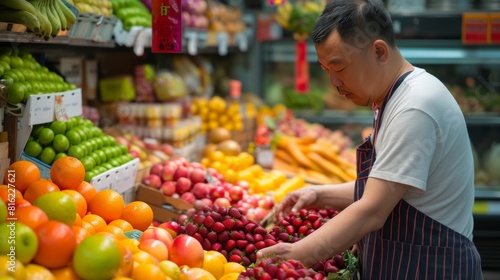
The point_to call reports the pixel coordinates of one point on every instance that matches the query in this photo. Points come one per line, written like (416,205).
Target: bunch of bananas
(299,17)
(45,18)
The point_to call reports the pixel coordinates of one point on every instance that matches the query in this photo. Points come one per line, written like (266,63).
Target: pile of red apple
(201,187)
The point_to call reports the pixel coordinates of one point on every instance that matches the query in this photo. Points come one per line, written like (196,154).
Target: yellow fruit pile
(228,166)
(260,181)
(216,112)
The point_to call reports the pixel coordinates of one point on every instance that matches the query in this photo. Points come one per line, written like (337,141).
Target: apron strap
(379,112)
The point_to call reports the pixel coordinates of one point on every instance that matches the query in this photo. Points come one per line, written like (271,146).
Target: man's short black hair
(358,22)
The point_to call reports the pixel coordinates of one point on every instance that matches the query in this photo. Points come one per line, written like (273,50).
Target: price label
(223,42)
(167,26)
(192,45)
(495,28)
(60,109)
(242,41)
(475,28)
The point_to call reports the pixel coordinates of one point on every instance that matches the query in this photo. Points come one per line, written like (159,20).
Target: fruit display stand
(93,27)
(39,109)
(165,208)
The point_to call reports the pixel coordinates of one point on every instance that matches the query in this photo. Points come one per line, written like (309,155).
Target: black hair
(358,22)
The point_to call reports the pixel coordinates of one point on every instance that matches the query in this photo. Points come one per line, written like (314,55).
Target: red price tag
(301,67)
(495,28)
(167,26)
(475,28)
(275,2)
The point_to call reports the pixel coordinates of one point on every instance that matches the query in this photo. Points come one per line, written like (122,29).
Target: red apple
(227,185)
(157,233)
(217,192)
(134,153)
(122,141)
(244,184)
(156,169)
(260,214)
(167,149)
(152,180)
(172,227)
(188,197)
(243,206)
(195,164)
(236,193)
(266,202)
(183,185)
(168,188)
(186,250)
(182,218)
(197,175)
(167,173)
(222,202)
(181,172)
(207,202)
(200,190)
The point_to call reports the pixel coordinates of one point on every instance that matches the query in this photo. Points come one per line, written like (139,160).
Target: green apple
(3,211)
(58,206)
(18,240)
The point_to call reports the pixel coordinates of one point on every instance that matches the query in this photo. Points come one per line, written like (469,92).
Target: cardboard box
(165,208)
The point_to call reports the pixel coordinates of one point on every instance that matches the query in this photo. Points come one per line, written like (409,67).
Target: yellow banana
(312,7)
(284,22)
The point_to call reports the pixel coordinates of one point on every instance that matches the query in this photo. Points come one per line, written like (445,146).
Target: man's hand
(281,250)
(295,201)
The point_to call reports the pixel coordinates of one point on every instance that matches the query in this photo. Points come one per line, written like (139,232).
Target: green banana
(68,14)
(22,5)
(21,17)
(59,14)
(45,25)
(56,24)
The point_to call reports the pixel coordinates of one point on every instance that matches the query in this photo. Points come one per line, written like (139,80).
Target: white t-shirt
(423,142)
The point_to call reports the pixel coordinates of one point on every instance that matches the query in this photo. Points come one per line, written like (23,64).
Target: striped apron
(410,245)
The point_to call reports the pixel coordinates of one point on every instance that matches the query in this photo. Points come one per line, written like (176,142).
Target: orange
(10,195)
(127,263)
(94,220)
(88,226)
(114,230)
(67,172)
(21,174)
(80,233)
(108,204)
(81,203)
(139,214)
(148,271)
(65,273)
(39,188)
(31,216)
(56,243)
(87,190)
(130,243)
(144,257)
(124,225)
(78,220)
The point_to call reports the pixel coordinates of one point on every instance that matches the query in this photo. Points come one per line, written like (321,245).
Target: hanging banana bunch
(45,18)
(299,17)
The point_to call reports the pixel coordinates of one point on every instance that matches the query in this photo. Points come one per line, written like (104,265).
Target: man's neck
(403,66)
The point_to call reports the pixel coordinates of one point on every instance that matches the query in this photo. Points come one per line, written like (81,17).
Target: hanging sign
(167,26)
(301,67)
(495,28)
(475,28)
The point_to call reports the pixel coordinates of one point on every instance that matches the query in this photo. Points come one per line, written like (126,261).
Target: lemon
(214,262)
(35,271)
(230,276)
(14,268)
(233,267)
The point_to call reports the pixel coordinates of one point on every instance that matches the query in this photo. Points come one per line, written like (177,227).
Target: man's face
(352,69)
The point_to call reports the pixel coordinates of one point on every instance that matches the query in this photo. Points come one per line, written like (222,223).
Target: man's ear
(381,50)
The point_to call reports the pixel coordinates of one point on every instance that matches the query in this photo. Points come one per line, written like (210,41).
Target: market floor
(491,275)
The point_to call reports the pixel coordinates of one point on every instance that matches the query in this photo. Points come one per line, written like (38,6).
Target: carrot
(294,150)
(284,156)
(281,165)
(317,177)
(329,167)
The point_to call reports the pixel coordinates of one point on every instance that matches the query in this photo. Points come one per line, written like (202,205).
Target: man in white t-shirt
(410,209)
